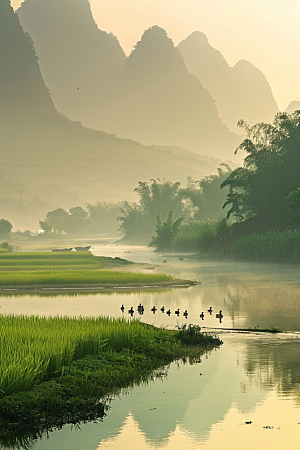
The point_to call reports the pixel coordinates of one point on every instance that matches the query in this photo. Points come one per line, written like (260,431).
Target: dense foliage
(165,232)
(5,228)
(199,200)
(271,171)
(272,246)
(158,197)
(98,218)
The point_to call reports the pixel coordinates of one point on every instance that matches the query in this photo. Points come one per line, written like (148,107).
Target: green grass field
(34,349)
(71,268)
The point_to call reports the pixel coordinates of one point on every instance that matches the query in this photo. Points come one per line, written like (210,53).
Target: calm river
(253,377)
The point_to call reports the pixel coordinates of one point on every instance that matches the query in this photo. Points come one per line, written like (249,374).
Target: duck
(122,308)
(162,309)
(202,315)
(219,315)
(169,312)
(154,309)
(210,310)
(177,311)
(185,313)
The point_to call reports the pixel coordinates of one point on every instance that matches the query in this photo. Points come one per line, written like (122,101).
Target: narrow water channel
(253,377)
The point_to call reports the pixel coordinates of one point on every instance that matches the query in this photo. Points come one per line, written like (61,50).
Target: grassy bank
(55,371)
(35,349)
(70,269)
(214,239)
(80,277)
(273,246)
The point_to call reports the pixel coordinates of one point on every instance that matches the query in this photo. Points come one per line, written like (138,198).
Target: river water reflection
(252,377)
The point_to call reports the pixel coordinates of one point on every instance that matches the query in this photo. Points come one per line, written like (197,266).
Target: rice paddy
(34,349)
(71,268)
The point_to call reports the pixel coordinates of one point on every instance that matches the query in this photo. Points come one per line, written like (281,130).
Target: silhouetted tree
(206,195)
(5,228)
(54,221)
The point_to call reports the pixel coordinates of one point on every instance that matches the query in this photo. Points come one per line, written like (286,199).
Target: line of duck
(141,309)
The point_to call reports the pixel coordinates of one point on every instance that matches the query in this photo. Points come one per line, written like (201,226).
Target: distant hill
(149,96)
(240,92)
(293,106)
(59,161)
(158,101)
(78,61)
(21,83)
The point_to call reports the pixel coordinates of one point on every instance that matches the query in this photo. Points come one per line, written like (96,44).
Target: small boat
(202,315)
(153,309)
(210,310)
(185,313)
(62,249)
(177,311)
(162,309)
(169,312)
(83,249)
(122,308)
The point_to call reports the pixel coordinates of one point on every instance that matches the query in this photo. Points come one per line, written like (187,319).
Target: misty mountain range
(59,161)
(158,94)
(150,96)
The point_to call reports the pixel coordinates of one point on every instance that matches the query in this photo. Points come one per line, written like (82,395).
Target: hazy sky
(265,32)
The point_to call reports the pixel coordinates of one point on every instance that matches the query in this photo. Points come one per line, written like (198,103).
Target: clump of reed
(272,247)
(202,236)
(35,349)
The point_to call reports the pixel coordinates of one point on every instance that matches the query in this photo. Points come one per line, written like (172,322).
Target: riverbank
(76,270)
(218,239)
(61,370)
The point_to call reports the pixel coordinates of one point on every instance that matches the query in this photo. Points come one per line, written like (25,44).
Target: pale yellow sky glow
(265,32)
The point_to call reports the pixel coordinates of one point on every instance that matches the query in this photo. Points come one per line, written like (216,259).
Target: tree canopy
(271,171)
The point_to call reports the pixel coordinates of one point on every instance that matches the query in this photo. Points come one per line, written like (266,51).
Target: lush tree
(76,221)
(155,198)
(294,198)
(5,227)
(54,222)
(206,194)
(103,216)
(5,246)
(165,232)
(271,171)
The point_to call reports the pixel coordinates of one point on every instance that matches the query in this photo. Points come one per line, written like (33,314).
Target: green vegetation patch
(272,247)
(34,349)
(58,370)
(79,277)
(70,268)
